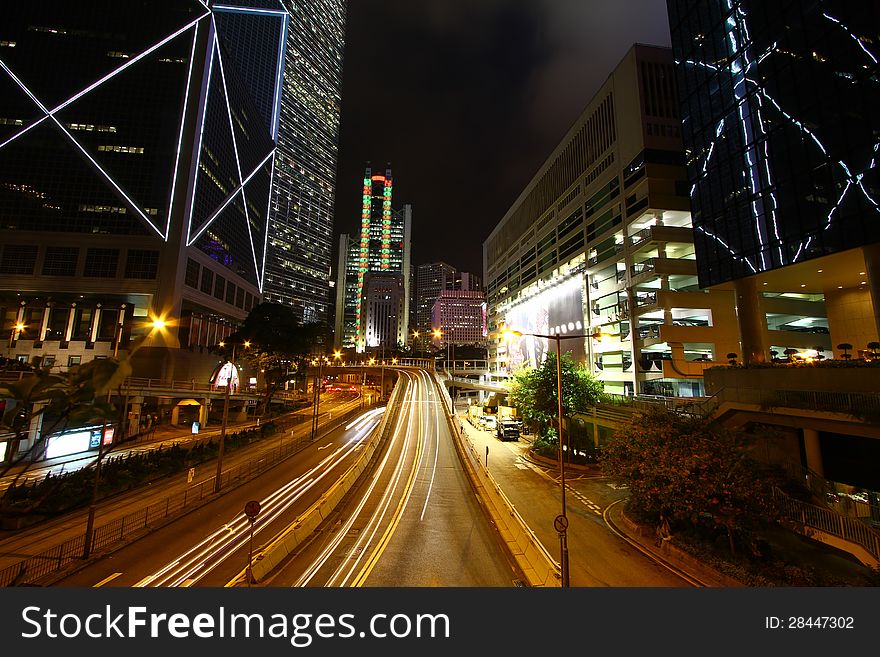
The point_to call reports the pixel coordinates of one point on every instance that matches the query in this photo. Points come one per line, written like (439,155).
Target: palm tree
(874,346)
(790,352)
(819,349)
(845,347)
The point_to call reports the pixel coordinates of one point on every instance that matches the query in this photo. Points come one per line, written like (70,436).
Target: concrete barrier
(285,543)
(538,567)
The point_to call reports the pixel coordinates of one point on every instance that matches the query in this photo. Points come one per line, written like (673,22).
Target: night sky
(466,99)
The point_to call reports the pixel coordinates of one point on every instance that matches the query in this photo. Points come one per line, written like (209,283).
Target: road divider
(538,567)
(287,541)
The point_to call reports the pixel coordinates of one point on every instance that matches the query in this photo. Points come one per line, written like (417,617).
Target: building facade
(382,308)
(780,129)
(135,168)
(460,315)
(298,264)
(599,246)
(430,280)
(382,247)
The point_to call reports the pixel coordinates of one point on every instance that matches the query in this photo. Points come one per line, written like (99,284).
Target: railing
(642,268)
(59,556)
(829,522)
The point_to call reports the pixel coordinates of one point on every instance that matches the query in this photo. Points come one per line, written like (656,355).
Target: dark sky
(466,99)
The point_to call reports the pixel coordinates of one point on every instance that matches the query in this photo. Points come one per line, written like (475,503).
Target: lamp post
(561,521)
(157,324)
(218,479)
(317,405)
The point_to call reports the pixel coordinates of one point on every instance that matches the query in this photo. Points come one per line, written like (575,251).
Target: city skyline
(473,89)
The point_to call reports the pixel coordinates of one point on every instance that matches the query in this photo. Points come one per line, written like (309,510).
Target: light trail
(194,564)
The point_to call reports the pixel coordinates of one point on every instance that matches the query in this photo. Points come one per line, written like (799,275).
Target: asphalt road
(597,556)
(414,520)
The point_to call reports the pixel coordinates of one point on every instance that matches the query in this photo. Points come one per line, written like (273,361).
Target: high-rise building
(430,280)
(136,151)
(460,316)
(780,124)
(382,308)
(383,247)
(600,244)
(303,189)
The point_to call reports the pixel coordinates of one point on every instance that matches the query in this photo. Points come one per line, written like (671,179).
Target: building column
(871,254)
(750,317)
(44,324)
(71,317)
(813,450)
(93,330)
(175,415)
(203,413)
(134,415)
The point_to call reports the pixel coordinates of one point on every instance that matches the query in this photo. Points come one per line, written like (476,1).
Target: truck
(508,430)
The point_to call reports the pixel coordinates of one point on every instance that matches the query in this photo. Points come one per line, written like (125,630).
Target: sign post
(251,510)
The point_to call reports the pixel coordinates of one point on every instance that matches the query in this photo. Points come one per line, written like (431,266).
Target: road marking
(106,579)
(325,446)
(586,502)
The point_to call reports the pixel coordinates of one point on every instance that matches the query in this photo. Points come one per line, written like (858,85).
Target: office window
(73,360)
(60,261)
(18,259)
(219,287)
(192,273)
(207,281)
(142,264)
(101,263)
(230,293)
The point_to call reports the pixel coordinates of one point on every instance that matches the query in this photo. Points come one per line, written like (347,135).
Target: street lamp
(561,521)
(219,476)
(155,325)
(316,411)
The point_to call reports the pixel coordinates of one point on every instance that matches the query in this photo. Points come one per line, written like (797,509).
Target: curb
(675,556)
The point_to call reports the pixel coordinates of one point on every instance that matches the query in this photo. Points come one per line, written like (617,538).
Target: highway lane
(414,520)
(597,556)
(209,546)
(23,543)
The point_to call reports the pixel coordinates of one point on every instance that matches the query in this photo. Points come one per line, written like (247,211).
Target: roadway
(598,555)
(413,520)
(24,543)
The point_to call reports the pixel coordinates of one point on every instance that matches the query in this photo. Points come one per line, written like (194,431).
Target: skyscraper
(136,150)
(303,190)
(779,114)
(382,247)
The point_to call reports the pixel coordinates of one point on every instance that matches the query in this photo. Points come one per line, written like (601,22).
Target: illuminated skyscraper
(136,153)
(383,246)
(301,219)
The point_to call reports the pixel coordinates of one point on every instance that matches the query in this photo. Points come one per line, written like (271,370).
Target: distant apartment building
(460,316)
(600,244)
(382,247)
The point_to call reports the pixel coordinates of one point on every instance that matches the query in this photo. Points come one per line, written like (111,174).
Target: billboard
(556,310)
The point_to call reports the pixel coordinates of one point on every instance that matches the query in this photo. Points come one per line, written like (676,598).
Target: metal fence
(825,520)
(60,556)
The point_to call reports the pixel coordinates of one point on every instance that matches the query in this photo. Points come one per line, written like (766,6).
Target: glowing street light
(561,521)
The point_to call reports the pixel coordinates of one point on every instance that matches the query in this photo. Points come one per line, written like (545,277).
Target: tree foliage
(533,390)
(691,471)
(280,346)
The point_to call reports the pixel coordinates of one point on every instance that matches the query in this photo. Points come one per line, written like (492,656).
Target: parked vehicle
(508,430)
(489,422)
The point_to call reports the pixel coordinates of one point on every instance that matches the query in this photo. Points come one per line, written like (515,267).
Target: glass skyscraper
(303,191)
(137,143)
(781,128)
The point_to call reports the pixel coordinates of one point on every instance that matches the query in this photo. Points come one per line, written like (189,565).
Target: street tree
(692,472)
(280,346)
(533,392)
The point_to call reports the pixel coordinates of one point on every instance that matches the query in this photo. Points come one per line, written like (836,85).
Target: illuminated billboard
(554,310)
